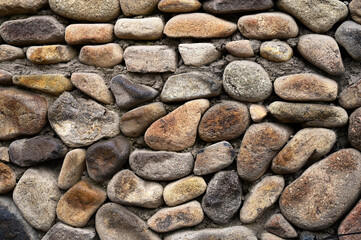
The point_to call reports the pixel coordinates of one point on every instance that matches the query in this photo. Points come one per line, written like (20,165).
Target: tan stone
(14,7)
(7,178)
(175,6)
(276,51)
(72,168)
(136,7)
(51,54)
(270,236)
(240,48)
(351,96)
(257,112)
(139,29)
(8,53)
(105,56)
(4,154)
(198,54)
(355,10)
(77,34)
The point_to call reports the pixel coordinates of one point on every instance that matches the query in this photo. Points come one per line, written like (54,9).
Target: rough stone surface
(15,7)
(355,10)
(198,54)
(5,77)
(134,7)
(350,97)
(60,231)
(276,51)
(4,154)
(270,236)
(72,169)
(257,112)
(237,6)
(105,56)
(240,48)
(175,6)
(260,144)
(348,35)
(8,53)
(7,179)
(352,223)
(277,224)
(77,34)
(354,129)
(50,54)
(139,29)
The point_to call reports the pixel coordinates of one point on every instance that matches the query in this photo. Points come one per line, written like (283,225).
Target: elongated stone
(72,169)
(347,35)
(134,7)
(4,154)
(105,56)
(350,97)
(9,53)
(240,48)
(277,224)
(175,6)
(354,133)
(7,179)
(61,231)
(139,29)
(198,54)
(51,54)
(276,51)
(77,34)
(270,236)
(5,77)
(236,6)
(15,7)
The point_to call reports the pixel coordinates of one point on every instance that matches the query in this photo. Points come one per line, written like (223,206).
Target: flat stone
(54,84)
(261,197)
(269,25)
(168,219)
(107,157)
(4,154)
(306,87)
(7,178)
(160,165)
(214,158)
(9,53)
(240,48)
(60,231)
(191,85)
(277,224)
(113,221)
(179,6)
(354,133)
(319,16)
(35,30)
(246,81)
(170,134)
(78,34)
(351,223)
(276,51)
(308,144)
(82,124)
(145,59)
(337,177)
(22,113)
(309,114)
(15,7)
(79,203)
(139,29)
(322,51)
(224,121)
(86,10)
(348,35)
(270,236)
(36,195)
(93,85)
(128,94)
(30,151)
(223,197)
(5,77)
(134,7)
(51,54)
(105,56)
(198,54)
(257,112)
(260,144)
(350,97)
(72,169)
(237,6)
(355,10)
(198,25)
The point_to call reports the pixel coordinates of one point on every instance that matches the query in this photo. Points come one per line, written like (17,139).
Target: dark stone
(348,35)
(61,231)
(354,130)
(5,77)
(236,6)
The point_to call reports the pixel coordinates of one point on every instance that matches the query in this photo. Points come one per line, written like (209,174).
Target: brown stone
(51,54)
(135,7)
(105,56)
(240,48)
(9,53)
(351,223)
(350,97)
(257,112)
(5,77)
(15,7)
(181,6)
(355,10)
(354,129)
(7,178)
(72,169)
(78,34)
(270,236)
(4,154)
(277,224)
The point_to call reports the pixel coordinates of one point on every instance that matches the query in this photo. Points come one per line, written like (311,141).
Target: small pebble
(7,178)
(277,224)
(72,169)
(135,7)
(179,6)
(4,154)
(350,97)
(354,129)
(5,77)
(9,53)
(79,34)
(139,29)
(240,48)
(198,54)
(105,56)
(51,54)
(257,112)
(276,51)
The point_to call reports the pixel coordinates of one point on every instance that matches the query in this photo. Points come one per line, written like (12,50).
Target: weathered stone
(22,113)
(308,144)
(260,144)
(150,59)
(306,87)
(7,179)
(36,195)
(348,35)
(355,10)
(181,6)
(324,192)
(268,26)
(270,236)
(60,231)
(31,151)
(51,54)
(82,124)
(128,94)
(277,224)
(246,81)
(77,34)
(236,6)
(257,112)
(178,130)
(354,129)
(5,77)
(261,197)
(4,154)
(79,203)
(15,7)
(168,219)
(160,165)
(352,223)
(198,25)
(322,51)
(86,10)
(72,169)
(319,16)
(126,188)
(240,48)
(105,56)
(310,115)
(113,222)
(139,29)
(276,51)
(350,97)
(93,85)
(32,31)
(198,54)
(8,53)
(134,7)
(107,157)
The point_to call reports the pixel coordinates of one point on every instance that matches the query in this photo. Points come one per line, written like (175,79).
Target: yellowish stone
(51,54)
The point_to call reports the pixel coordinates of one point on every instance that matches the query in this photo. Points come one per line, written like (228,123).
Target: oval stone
(61,231)
(175,6)
(354,129)
(7,179)
(198,54)
(240,48)
(51,54)
(276,51)
(139,29)
(236,6)
(135,7)
(77,34)
(72,168)
(348,35)
(105,56)
(350,97)
(5,77)
(355,10)
(9,53)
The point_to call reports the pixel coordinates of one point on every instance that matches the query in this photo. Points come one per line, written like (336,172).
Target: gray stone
(355,10)
(277,224)
(139,29)
(350,97)
(276,51)
(15,7)
(72,168)
(135,7)
(179,5)
(61,231)
(105,56)
(198,54)
(5,77)
(354,129)
(236,6)
(9,53)
(348,36)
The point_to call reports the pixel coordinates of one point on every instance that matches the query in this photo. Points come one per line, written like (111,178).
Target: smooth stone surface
(319,16)
(337,177)
(309,114)
(198,54)
(236,6)
(351,223)
(114,222)
(161,165)
(33,31)
(354,129)
(168,219)
(135,122)
(51,54)
(308,144)
(72,169)
(268,26)
(213,158)
(270,236)
(78,34)
(139,29)
(261,197)
(84,123)
(128,94)
(278,225)
(260,144)
(276,51)
(257,112)
(246,81)
(322,51)
(79,203)
(135,7)
(348,36)
(355,10)
(198,25)
(126,188)
(4,154)
(23,113)
(172,134)
(181,6)
(145,59)
(223,197)
(15,7)
(350,97)
(7,179)
(36,195)
(107,157)
(93,85)
(306,87)
(240,48)
(5,77)
(9,53)
(191,85)
(105,56)
(60,231)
